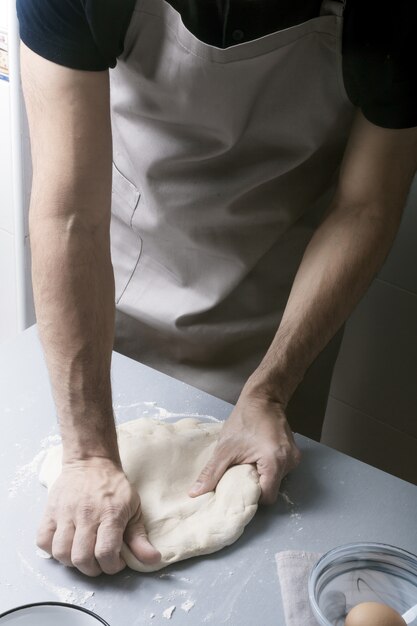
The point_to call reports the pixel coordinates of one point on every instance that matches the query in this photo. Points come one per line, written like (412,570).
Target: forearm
(74,299)
(69,221)
(338,265)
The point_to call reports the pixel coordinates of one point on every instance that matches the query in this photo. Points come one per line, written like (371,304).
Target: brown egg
(373,614)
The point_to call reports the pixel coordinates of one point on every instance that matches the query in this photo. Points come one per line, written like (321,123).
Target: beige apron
(224,162)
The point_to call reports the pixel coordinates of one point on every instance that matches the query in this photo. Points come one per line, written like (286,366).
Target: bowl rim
(50,603)
(346,546)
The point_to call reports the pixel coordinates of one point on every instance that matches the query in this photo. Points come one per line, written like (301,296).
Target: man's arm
(92,502)
(339,263)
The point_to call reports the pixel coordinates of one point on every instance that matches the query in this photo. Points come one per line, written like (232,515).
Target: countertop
(329,500)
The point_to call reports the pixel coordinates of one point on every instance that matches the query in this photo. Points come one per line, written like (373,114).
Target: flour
(286,498)
(51,440)
(175,593)
(294,514)
(25,473)
(168,612)
(209,617)
(187,605)
(63,594)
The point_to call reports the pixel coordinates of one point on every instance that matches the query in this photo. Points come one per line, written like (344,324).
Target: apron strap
(333,7)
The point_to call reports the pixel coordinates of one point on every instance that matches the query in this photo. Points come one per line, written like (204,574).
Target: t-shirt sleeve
(380,61)
(80,34)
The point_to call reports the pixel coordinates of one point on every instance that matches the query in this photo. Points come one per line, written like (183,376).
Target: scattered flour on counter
(173,595)
(294,514)
(286,497)
(64,594)
(184,579)
(87,596)
(168,612)
(208,617)
(51,440)
(187,605)
(158,597)
(25,473)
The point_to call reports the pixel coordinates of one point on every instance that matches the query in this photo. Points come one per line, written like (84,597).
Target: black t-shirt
(379,43)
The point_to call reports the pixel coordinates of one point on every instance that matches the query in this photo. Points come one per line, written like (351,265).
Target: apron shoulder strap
(333,7)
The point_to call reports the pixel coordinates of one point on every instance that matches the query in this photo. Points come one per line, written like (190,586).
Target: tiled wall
(372,411)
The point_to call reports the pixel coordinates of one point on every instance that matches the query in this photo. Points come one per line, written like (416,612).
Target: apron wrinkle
(234,154)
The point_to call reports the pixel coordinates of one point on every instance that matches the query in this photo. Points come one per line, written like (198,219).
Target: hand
(91,509)
(256,432)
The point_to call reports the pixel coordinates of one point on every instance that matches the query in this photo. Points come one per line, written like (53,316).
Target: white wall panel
(6,200)
(8,301)
(3,14)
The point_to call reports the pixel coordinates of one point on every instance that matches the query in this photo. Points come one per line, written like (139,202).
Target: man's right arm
(70,129)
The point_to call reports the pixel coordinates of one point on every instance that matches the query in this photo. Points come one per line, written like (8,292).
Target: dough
(163,460)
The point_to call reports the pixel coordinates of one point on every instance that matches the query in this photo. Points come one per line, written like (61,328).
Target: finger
(82,554)
(137,539)
(108,545)
(62,543)
(211,474)
(270,477)
(45,534)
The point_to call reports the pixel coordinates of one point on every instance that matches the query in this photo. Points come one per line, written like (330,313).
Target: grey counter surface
(329,500)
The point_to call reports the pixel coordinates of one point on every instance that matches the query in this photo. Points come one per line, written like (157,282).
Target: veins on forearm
(72,279)
(337,267)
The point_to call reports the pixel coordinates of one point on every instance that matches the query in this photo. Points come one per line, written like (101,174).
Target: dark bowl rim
(65,604)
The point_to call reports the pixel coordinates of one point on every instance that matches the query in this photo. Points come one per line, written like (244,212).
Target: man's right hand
(92,508)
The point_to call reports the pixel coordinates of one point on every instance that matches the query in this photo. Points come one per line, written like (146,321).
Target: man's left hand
(257,432)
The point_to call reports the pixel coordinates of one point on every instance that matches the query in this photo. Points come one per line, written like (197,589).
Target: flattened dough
(162,461)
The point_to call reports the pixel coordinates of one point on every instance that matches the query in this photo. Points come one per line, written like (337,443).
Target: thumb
(137,539)
(211,474)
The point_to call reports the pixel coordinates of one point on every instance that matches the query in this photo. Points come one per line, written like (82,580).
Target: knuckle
(114,515)
(44,538)
(93,573)
(85,512)
(61,554)
(105,552)
(284,454)
(81,560)
(297,456)
(114,569)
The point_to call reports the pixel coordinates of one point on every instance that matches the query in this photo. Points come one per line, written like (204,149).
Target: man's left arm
(339,263)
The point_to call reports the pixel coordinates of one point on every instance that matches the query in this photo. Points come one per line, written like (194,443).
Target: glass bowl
(50,614)
(361,572)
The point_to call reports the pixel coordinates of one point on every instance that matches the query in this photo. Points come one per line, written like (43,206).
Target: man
(252,205)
